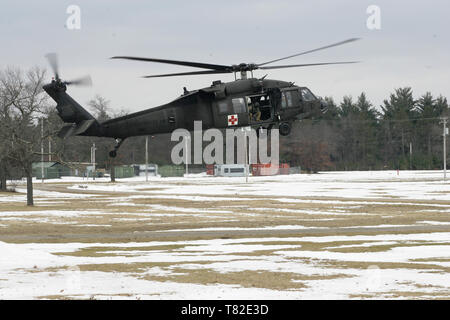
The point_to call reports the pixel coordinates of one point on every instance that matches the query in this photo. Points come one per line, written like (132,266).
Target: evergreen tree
(367,131)
(398,112)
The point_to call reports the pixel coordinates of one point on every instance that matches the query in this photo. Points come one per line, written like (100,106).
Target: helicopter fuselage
(251,102)
(247,102)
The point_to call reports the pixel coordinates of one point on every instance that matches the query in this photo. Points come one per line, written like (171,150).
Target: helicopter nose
(323,106)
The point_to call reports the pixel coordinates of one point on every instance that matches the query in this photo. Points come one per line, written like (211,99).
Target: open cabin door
(261,108)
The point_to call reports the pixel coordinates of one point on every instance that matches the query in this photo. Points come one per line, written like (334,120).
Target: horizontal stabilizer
(66,131)
(75,129)
(83,126)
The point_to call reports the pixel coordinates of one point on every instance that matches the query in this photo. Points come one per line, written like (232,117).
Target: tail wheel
(285,128)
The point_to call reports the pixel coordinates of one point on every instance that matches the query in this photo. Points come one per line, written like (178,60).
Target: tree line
(403,133)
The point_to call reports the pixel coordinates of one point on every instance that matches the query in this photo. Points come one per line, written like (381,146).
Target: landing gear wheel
(113,153)
(285,128)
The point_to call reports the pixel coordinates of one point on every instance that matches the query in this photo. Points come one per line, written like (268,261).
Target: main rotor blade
(314,50)
(181,63)
(53,61)
(187,73)
(85,81)
(305,65)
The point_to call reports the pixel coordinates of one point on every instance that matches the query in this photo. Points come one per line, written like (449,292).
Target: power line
(378,120)
(444,125)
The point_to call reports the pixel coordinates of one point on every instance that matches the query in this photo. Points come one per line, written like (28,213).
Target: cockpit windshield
(307,94)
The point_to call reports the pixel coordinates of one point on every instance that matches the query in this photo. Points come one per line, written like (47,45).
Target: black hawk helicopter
(260,103)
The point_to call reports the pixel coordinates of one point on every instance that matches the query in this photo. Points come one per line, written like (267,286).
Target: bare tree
(5,115)
(24,99)
(101,108)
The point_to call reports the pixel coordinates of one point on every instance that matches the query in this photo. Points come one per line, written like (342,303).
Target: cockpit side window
(283,101)
(239,105)
(288,95)
(307,95)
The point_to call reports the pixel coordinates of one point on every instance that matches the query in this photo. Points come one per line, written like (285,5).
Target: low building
(210,169)
(230,170)
(257,169)
(171,171)
(139,170)
(123,171)
(81,169)
(269,169)
(52,170)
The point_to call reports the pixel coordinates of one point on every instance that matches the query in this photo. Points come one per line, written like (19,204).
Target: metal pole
(444,122)
(49,149)
(246,154)
(146,158)
(87,171)
(93,161)
(42,149)
(187,154)
(410,156)
(246,158)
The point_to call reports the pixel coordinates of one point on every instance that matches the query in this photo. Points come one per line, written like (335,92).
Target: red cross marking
(232,120)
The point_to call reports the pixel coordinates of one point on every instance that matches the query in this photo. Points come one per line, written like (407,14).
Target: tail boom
(80,122)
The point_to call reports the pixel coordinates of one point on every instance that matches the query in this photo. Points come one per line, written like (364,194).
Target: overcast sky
(411,48)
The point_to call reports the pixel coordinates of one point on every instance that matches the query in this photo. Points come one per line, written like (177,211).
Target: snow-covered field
(349,184)
(333,235)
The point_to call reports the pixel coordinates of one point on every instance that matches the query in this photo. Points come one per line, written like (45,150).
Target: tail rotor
(53,61)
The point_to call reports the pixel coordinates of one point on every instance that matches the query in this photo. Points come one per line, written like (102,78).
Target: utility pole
(49,150)
(445,132)
(93,160)
(246,156)
(245,129)
(42,149)
(146,158)
(410,156)
(188,153)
